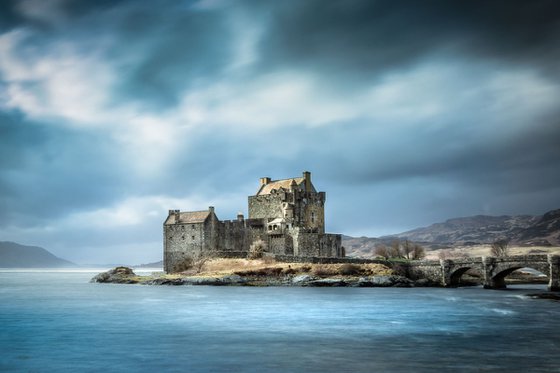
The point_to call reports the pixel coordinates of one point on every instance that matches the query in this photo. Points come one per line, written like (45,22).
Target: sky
(406,113)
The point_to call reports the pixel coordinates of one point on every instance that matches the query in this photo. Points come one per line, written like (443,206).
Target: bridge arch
(497,269)
(499,279)
(456,274)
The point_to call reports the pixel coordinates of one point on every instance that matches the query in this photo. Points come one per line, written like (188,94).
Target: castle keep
(288,215)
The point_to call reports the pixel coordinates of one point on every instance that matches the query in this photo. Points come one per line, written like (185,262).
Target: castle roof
(188,217)
(277,184)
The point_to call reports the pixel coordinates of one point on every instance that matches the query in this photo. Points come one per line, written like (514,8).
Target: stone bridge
(493,270)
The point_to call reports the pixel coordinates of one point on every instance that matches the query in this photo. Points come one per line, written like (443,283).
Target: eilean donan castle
(288,215)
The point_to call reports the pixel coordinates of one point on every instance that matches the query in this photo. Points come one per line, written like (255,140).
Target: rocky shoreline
(125,275)
(272,277)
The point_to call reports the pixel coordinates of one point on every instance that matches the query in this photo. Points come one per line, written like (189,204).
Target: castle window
(192,226)
(192,237)
(313,217)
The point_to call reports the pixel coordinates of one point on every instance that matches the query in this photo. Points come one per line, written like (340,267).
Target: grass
(269,267)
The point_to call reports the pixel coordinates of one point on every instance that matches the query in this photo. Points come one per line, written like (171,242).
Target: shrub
(267,271)
(350,270)
(500,248)
(290,271)
(184,265)
(306,268)
(324,270)
(257,249)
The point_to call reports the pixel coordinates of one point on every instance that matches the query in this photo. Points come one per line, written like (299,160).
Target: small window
(192,226)
(192,237)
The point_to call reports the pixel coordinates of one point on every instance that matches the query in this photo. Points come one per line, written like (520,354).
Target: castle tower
(293,200)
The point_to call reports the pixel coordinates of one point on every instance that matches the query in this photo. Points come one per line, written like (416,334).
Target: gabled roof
(188,217)
(285,183)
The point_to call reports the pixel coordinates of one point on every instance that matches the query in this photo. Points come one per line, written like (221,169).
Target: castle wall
(182,241)
(266,206)
(311,244)
(235,236)
(280,244)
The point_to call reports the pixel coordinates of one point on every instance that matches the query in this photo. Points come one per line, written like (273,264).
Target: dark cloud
(369,37)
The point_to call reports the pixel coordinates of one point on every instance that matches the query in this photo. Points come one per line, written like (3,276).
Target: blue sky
(406,113)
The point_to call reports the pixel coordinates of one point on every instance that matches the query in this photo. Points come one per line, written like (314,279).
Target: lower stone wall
(430,270)
(324,260)
(230,254)
(310,244)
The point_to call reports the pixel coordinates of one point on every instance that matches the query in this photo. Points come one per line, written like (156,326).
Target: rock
(165,281)
(375,281)
(552,296)
(401,282)
(301,279)
(424,282)
(233,280)
(383,281)
(118,275)
(330,282)
(214,281)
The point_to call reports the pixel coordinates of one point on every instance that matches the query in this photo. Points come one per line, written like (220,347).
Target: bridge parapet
(494,270)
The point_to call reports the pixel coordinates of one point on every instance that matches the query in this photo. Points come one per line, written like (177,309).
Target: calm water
(57,321)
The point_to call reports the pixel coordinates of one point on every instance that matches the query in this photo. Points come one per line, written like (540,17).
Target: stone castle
(287,215)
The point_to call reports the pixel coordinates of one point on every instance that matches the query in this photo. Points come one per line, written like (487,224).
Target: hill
(13,255)
(520,230)
(524,230)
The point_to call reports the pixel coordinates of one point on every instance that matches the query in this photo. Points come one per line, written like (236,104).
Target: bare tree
(418,252)
(193,263)
(382,251)
(200,260)
(395,250)
(407,249)
(500,248)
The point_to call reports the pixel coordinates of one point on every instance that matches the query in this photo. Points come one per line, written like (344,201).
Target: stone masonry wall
(181,241)
(266,206)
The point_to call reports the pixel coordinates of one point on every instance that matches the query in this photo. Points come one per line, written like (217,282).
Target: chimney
(307,178)
(211,209)
(240,216)
(265,180)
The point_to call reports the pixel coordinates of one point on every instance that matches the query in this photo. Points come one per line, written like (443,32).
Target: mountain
(522,230)
(471,230)
(525,230)
(150,265)
(545,230)
(13,255)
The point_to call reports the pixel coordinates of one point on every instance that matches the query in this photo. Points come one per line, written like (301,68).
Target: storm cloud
(406,113)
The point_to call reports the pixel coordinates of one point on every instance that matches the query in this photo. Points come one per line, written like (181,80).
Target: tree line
(400,250)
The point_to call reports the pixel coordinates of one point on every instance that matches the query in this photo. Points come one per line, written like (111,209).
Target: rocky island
(246,272)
